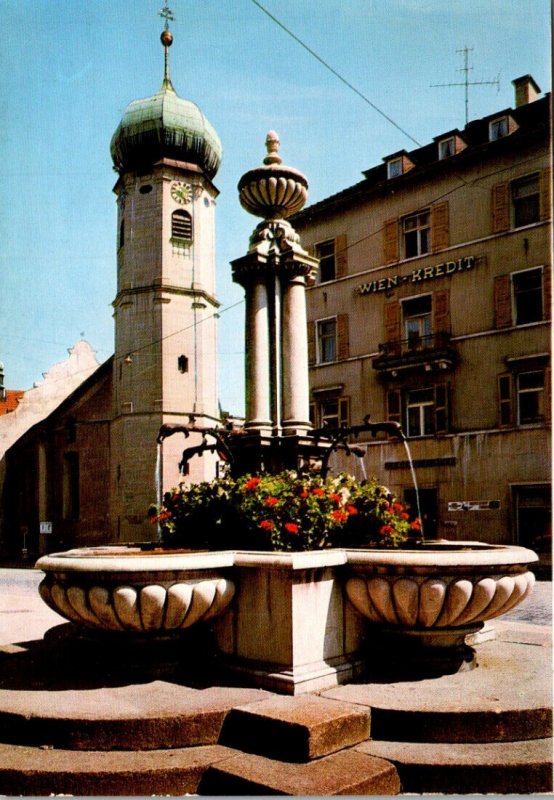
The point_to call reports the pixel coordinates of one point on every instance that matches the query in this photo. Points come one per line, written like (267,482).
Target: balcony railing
(434,351)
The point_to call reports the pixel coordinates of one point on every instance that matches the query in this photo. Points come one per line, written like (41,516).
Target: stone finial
(272,144)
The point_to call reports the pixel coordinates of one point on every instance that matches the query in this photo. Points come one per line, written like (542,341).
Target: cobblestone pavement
(536,609)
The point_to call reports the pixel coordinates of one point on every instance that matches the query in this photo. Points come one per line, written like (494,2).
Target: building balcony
(416,354)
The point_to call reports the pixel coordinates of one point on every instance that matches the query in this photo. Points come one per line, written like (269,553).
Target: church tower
(166,154)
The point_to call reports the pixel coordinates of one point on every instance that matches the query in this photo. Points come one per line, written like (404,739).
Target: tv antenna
(466,83)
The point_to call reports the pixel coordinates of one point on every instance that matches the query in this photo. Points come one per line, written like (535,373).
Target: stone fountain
(291,622)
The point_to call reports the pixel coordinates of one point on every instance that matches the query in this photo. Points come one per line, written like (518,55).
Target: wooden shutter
(440,226)
(502,301)
(441,408)
(392,322)
(341,256)
(547,395)
(343,342)
(505,400)
(390,241)
(546,292)
(344,412)
(311,343)
(545,183)
(500,207)
(394,406)
(441,311)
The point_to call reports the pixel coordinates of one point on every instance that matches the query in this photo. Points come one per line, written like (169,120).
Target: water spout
(414,481)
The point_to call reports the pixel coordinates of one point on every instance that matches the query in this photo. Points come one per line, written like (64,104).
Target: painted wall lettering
(445,269)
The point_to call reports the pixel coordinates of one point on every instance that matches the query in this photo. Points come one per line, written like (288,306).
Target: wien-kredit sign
(446,269)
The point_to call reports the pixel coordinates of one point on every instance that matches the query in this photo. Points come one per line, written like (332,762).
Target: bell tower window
(181,226)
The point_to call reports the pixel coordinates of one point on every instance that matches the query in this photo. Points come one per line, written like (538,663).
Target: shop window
(325,251)
(416,313)
(326,340)
(527,296)
(181,226)
(498,128)
(416,234)
(447,148)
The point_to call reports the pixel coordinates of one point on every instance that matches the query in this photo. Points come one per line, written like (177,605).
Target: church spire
(167,40)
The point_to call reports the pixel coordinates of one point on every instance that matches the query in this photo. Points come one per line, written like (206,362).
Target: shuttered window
(500,207)
(343,337)
(341,255)
(441,311)
(440,226)
(181,226)
(505,400)
(502,301)
(390,241)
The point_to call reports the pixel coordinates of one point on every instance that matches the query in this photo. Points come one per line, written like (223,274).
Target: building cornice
(159,291)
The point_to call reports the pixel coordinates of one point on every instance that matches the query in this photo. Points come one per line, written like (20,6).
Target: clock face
(181,192)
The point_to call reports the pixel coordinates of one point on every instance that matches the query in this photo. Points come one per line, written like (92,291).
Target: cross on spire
(167,14)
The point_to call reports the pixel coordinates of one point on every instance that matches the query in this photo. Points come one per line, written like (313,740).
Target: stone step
(295,728)
(345,773)
(149,716)
(43,772)
(508,697)
(523,767)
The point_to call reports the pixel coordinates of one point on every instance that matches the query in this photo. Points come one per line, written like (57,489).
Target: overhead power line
(334,72)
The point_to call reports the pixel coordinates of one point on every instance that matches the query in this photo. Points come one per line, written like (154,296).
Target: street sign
(474,505)
(46,527)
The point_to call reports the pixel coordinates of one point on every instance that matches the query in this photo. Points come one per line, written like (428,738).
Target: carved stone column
(296,389)
(257,357)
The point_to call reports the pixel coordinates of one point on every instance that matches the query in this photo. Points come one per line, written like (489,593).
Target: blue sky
(69,69)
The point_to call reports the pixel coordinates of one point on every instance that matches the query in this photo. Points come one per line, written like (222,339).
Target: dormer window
(498,128)
(447,148)
(394,168)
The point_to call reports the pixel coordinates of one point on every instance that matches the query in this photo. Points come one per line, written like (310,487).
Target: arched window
(181,226)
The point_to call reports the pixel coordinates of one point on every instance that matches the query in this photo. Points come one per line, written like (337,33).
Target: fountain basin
(129,589)
(421,604)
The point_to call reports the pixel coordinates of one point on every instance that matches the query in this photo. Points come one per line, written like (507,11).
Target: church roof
(165,126)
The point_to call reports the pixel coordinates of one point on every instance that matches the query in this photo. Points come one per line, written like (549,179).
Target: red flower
(352,509)
(335,498)
(267,524)
(339,516)
(251,484)
(304,494)
(398,507)
(404,515)
(416,525)
(270,501)
(318,491)
(386,530)
(291,527)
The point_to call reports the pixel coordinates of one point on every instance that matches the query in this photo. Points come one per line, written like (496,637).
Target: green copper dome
(165,126)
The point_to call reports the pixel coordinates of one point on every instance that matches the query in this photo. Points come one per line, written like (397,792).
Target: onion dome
(165,126)
(273,191)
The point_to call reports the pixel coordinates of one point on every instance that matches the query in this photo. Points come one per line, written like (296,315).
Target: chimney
(526,90)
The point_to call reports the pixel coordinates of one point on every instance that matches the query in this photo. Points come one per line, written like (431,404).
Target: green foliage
(282,512)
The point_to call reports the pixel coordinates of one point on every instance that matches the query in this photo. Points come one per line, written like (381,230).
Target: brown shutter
(390,241)
(394,406)
(344,412)
(547,395)
(341,256)
(441,408)
(545,182)
(502,301)
(505,400)
(440,226)
(500,207)
(392,322)
(343,349)
(311,342)
(546,292)
(441,311)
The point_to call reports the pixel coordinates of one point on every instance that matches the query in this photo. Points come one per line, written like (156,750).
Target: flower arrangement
(283,512)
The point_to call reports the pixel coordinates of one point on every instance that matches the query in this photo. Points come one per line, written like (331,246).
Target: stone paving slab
(44,772)
(345,773)
(499,767)
(296,728)
(147,716)
(508,696)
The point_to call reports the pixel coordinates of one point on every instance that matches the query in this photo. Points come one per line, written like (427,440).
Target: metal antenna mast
(466,83)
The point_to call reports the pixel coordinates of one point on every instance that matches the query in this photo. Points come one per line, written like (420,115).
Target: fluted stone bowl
(150,592)
(435,595)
